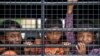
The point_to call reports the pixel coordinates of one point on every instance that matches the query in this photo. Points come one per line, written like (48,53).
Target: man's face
(53,37)
(85,37)
(13,37)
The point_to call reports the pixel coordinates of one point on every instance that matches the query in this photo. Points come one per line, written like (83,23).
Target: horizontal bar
(39,46)
(34,45)
(49,29)
(49,3)
(52,55)
(75,3)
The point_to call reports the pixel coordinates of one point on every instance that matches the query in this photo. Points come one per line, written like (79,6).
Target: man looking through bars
(11,37)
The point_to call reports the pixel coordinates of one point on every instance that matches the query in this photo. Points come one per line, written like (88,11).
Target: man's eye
(12,35)
(59,33)
(90,35)
(49,32)
(80,36)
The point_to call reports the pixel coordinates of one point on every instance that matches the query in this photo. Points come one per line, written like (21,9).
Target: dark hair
(9,24)
(30,39)
(63,38)
(49,23)
(85,24)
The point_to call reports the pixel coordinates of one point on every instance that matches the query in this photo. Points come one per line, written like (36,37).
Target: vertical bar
(42,24)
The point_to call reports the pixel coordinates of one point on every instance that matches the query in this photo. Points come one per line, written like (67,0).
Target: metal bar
(39,46)
(48,3)
(20,3)
(52,55)
(42,25)
(47,29)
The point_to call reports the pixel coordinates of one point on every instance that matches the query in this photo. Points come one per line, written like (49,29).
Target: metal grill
(47,27)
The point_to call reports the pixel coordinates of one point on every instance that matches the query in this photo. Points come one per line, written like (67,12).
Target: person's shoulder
(95,51)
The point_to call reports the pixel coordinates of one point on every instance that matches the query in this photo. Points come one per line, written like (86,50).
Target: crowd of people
(82,39)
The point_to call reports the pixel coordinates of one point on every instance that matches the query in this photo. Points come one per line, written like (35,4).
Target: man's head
(9,53)
(53,36)
(86,37)
(10,37)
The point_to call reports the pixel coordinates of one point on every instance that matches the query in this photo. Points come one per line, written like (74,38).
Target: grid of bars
(43,10)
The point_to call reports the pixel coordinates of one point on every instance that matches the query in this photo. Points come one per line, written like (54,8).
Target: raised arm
(69,21)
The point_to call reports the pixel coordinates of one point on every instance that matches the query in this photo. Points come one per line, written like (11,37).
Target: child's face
(13,37)
(85,37)
(37,41)
(53,37)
